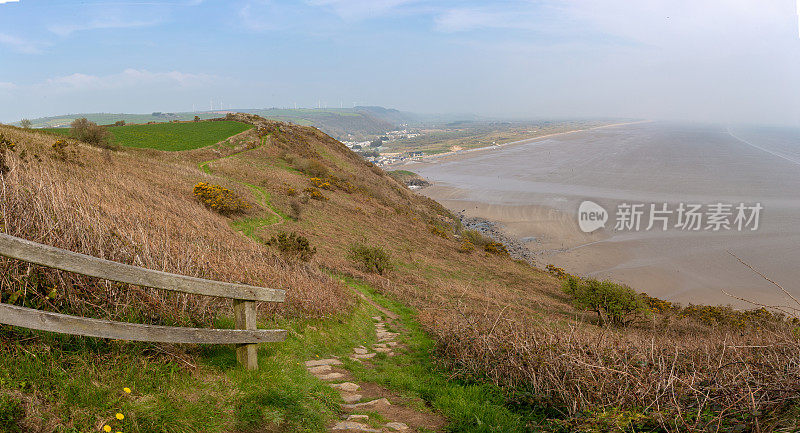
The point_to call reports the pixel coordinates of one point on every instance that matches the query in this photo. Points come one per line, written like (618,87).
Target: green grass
(81,380)
(249,226)
(469,407)
(170,136)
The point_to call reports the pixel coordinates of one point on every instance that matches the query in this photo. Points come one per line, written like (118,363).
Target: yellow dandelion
(127,390)
(120,416)
(107,428)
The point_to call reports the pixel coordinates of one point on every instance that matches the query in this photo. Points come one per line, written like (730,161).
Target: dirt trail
(368,406)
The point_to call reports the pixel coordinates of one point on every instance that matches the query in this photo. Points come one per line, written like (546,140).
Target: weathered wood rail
(245,336)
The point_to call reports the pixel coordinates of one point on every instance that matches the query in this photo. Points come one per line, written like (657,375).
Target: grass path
(249,226)
(390,382)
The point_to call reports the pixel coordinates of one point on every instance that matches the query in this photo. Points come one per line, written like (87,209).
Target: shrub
(291,192)
(315,194)
(496,248)
(295,209)
(119,123)
(374,259)
(60,147)
(321,183)
(615,304)
(557,272)
(5,144)
(438,231)
(475,237)
(90,132)
(466,246)
(293,245)
(219,198)
(25,123)
(311,167)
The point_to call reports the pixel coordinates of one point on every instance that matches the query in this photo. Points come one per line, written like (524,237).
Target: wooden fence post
(245,313)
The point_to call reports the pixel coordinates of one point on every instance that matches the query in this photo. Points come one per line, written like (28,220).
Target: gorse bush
(438,231)
(293,245)
(476,238)
(5,144)
(496,248)
(615,304)
(321,183)
(315,194)
(90,132)
(374,259)
(557,272)
(466,246)
(219,198)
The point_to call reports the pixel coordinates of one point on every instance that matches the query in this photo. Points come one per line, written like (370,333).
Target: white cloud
(20,45)
(361,9)
(8,1)
(466,19)
(126,79)
(101,23)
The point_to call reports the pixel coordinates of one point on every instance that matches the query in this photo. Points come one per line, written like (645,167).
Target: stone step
(331,376)
(353,426)
(349,397)
(381,402)
(318,362)
(345,386)
(396,426)
(377,317)
(360,350)
(363,356)
(357,417)
(320,369)
(383,349)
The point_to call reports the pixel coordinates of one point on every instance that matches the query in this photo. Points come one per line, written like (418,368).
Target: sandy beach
(534,188)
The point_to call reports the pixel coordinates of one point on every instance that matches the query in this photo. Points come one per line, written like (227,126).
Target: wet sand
(534,189)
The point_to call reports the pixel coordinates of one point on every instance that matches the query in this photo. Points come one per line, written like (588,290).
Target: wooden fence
(245,336)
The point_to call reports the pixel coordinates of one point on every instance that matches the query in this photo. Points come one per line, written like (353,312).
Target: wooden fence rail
(245,336)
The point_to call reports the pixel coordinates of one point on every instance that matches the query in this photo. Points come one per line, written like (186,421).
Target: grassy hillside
(495,323)
(355,123)
(170,136)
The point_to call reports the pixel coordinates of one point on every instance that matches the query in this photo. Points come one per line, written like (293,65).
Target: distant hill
(343,124)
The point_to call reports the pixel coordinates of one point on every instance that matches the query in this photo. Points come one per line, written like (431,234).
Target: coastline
(469,152)
(531,202)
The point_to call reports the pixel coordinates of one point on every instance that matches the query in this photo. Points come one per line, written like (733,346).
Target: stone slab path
(394,413)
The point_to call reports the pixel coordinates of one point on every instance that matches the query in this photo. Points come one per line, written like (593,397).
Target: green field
(170,136)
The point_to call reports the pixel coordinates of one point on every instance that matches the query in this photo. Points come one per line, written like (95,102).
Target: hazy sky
(724,60)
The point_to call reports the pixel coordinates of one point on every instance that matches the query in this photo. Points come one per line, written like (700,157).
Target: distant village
(371,150)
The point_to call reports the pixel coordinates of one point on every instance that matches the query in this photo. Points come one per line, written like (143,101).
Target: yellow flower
(120,416)
(107,428)
(127,390)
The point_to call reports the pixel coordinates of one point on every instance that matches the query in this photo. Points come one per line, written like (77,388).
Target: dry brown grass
(128,207)
(500,320)
(495,319)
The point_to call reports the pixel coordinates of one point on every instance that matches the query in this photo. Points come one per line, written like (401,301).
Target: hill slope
(495,320)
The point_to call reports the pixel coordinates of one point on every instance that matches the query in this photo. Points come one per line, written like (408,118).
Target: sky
(699,60)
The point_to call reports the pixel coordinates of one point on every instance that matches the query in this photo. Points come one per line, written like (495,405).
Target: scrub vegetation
(495,344)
